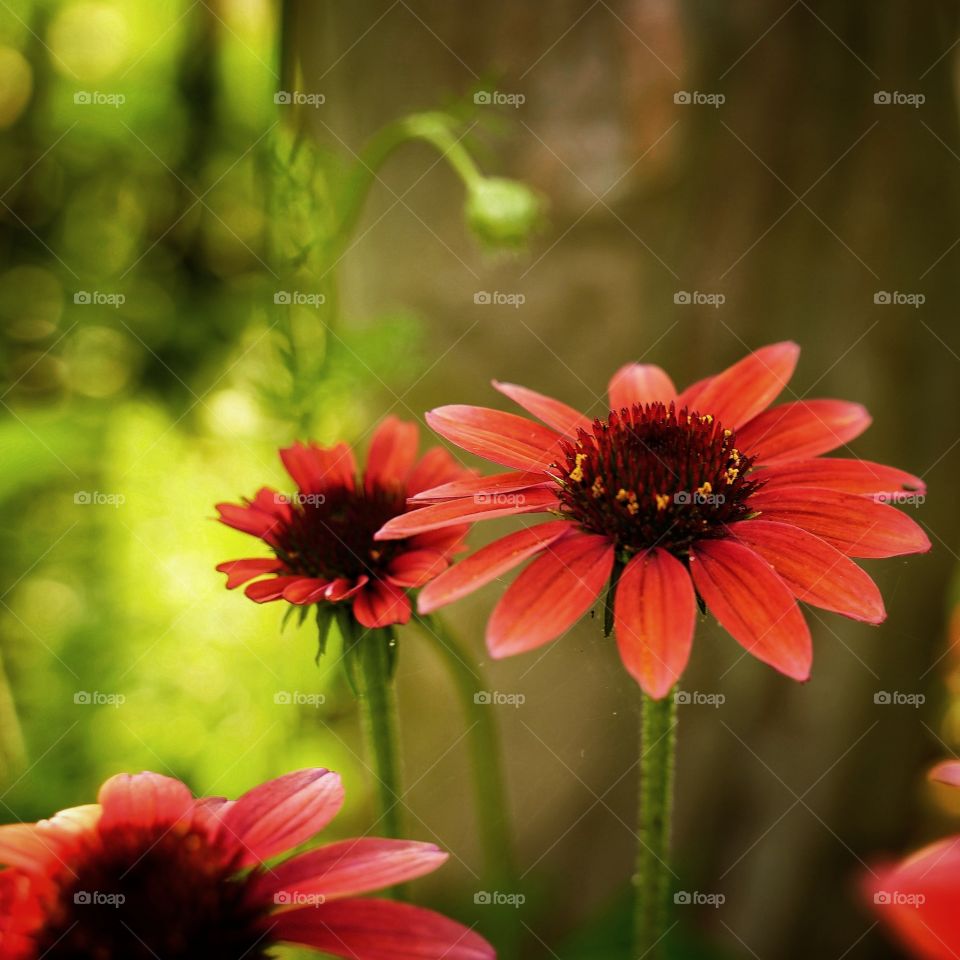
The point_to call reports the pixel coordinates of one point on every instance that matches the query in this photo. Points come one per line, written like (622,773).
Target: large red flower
(150,872)
(917,899)
(672,495)
(322,537)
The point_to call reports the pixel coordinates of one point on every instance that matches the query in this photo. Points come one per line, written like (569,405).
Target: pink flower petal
(855,525)
(848,476)
(281,814)
(381,604)
(480,507)
(37,848)
(392,454)
(747,388)
(416,567)
(265,591)
(807,428)
(753,605)
(640,383)
(655,612)
(552,412)
(501,437)
(948,772)
(551,594)
(352,867)
(240,572)
(472,486)
(380,930)
(305,590)
(143,799)
(816,572)
(435,467)
(315,468)
(490,562)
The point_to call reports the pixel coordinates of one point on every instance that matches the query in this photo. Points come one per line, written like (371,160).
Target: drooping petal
(472,486)
(655,612)
(466,510)
(280,814)
(435,467)
(143,799)
(392,454)
(917,900)
(380,930)
(753,605)
(552,412)
(806,428)
(855,525)
(501,437)
(415,567)
(265,591)
(848,476)
(315,468)
(240,572)
(640,383)
(380,604)
(306,590)
(815,571)
(249,519)
(551,594)
(490,562)
(343,588)
(747,388)
(352,867)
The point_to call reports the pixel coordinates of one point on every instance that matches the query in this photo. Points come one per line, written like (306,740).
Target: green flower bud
(503,213)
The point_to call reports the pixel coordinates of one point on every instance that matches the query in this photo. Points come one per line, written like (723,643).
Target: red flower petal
(143,799)
(240,572)
(249,519)
(380,930)
(282,813)
(753,605)
(552,412)
(550,595)
(264,591)
(917,899)
(380,604)
(849,476)
(655,612)
(948,772)
(490,562)
(343,589)
(352,867)
(314,468)
(445,540)
(37,848)
(305,590)
(747,388)
(803,429)
(392,454)
(815,571)
(854,525)
(501,437)
(481,507)
(415,567)
(471,486)
(435,467)
(640,383)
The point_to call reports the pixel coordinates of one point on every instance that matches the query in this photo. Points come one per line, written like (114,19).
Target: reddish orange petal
(948,772)
(434,468)
(415,567)
(143,799)
(380,604)
(265,591)
(640,383)
(471,486)
(655,612)
(550,595)
(314,468)
(392,454)
(816,572)
(848,476)
(753,605)
(240,572)
(552,412)
(305,590)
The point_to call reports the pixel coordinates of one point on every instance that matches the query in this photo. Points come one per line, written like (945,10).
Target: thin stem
(653,873)
(378,711)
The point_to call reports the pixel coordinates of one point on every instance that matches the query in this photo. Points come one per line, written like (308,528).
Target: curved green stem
(653,873)
(372,653)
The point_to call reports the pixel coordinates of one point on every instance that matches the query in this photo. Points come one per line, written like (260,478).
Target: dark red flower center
(331,534)
(148,895)
(655,476)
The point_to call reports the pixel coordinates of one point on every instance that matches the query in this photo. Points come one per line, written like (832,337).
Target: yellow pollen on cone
(662,501)
(598,489)
(576,474)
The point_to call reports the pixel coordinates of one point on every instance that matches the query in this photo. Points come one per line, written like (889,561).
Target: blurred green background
(155,200)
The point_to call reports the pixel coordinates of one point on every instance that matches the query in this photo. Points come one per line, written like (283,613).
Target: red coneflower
(150,872)
(917,898)
(322,537)
(672,495)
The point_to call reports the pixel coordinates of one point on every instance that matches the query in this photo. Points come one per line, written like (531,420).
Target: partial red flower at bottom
(322,536)
(151,872)
(670,497)
(918,898)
